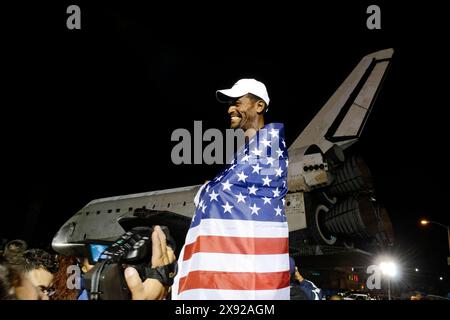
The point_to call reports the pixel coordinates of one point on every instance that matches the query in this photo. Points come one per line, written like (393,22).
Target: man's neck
(251,131)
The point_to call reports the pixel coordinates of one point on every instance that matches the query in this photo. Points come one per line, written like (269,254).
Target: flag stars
(266,181)
(270,160)
(254,209)
(226,185)
(284,143)
(252,190)
(227,208)
(213,196)
(266,200)
(280,153)
(284,201)
(274,133)
(276,192)
(278,211)
(266,142)
(246,158)
(256,152)
(242,176)
(256,168)
(240,197)
(279,171)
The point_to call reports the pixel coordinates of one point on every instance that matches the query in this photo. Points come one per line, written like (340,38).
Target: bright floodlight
(388,268)
(440,278)
(417,270)
(424,222)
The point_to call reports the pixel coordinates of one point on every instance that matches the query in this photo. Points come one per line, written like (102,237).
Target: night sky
(89,113)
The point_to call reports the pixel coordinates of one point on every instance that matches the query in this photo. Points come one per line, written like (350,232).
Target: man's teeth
(235,118)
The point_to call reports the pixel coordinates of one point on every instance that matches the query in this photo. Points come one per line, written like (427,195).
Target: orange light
(424,222)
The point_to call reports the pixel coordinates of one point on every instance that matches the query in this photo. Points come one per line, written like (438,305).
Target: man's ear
(260,106)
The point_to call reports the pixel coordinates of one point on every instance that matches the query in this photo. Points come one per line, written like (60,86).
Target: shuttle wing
(342,119)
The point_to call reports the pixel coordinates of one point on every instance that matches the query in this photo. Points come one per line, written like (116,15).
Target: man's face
(41,278)
(243,113)
(28,291)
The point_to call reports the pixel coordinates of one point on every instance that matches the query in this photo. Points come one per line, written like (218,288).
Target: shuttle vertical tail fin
(342,119)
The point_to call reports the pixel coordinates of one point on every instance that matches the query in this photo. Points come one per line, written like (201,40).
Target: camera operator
(150,289)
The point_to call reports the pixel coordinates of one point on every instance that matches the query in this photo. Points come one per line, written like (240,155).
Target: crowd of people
(35,274)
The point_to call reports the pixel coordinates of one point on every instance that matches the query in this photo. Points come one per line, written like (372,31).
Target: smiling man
(248,100)
(237,244)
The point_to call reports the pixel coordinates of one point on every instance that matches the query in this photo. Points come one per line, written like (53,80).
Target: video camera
(106,280)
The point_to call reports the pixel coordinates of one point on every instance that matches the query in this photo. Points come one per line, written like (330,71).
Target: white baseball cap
(241,88)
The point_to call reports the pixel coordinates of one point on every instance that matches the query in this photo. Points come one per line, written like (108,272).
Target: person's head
(8,281)
(39,267)
(14,251)
(248,101)
(15,285)
(293,271)
(292,268)
(417,296)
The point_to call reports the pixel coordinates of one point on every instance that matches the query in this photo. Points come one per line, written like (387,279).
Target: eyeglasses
(47,291)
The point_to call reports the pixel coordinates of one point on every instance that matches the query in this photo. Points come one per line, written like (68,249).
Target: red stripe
(236,245)
(234,280)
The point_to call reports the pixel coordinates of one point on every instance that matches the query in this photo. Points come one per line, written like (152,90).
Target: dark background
(89,113)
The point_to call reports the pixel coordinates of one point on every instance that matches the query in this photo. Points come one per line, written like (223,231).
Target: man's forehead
(239,99)
(40,275)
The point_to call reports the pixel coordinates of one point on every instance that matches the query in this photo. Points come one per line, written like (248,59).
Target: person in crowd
(40,267)
(302,289)
(36,264)
(14,251)
(15,285)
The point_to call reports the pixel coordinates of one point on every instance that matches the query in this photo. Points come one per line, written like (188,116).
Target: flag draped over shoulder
(237,245)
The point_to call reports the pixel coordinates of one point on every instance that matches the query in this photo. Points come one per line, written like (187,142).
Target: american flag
(237,245)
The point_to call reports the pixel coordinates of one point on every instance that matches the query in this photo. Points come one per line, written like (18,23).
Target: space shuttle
(331,204)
